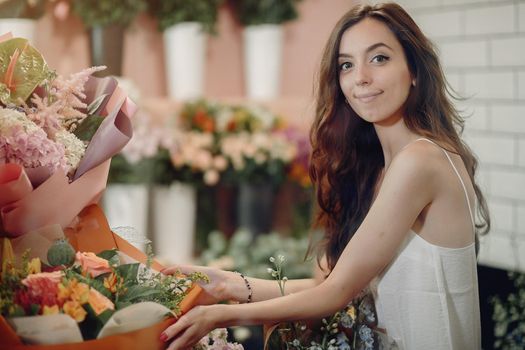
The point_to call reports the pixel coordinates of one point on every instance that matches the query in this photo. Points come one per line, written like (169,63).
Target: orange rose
(92,264)
(75,310)
(99,302)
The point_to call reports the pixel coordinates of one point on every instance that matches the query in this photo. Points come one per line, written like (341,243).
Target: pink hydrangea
(30,149)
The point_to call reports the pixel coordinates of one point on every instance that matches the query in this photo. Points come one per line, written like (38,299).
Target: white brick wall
(482,48)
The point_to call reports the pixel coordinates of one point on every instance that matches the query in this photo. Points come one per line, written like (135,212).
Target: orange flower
(113,282)
(92,264)
(99,302)
(75,310)
(50,310)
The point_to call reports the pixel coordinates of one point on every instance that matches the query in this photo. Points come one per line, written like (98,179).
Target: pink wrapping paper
(56,201)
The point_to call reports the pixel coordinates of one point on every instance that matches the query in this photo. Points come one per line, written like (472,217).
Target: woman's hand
(216,290)
(191,327)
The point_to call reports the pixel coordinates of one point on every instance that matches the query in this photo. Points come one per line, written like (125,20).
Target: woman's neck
(393,137)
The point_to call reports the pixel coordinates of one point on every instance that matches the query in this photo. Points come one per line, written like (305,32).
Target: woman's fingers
(185,269)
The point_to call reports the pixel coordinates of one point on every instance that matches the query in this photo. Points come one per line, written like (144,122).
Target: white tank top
(427,298)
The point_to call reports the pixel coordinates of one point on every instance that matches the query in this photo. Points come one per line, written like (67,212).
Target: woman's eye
(345,66)
(380,59)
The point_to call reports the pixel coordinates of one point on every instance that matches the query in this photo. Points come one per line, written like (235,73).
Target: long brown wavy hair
(346,155)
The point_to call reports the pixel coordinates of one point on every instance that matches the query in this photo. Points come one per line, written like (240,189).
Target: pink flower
(92,264)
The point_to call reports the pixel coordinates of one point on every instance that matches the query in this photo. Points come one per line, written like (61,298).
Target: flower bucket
(174,209)
(263,60)
(185,48)
(126,205)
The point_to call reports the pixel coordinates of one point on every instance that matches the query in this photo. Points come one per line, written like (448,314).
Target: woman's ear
(413,81)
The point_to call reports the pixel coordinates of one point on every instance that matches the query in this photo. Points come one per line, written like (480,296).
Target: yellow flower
(112,282)
(34,266)
(79,291)
(50,310)
(74,290)
(351,312)
(8,257)
(75,310)
(63,292)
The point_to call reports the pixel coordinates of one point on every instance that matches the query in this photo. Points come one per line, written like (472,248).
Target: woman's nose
(362,75)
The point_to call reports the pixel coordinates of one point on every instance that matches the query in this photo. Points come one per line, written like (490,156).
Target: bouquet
(89,296)
(353,328)
(57,135)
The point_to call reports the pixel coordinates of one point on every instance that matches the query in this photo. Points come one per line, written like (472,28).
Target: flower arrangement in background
(509,316)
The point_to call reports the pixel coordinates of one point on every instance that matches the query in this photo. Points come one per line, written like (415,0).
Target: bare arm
(409,185)
(230,286)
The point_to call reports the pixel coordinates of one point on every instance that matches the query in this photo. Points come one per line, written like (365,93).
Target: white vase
(174,209)
(126,205)
(20,27)
(185,49)
(263,60)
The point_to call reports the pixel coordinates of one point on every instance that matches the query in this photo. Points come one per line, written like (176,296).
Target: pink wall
(65,46)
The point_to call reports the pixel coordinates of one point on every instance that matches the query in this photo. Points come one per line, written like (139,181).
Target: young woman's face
(373,72)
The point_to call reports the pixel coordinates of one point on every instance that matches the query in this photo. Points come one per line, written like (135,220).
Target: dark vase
(106,44)
(255,207)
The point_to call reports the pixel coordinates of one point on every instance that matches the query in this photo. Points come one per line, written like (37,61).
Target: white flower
(220,163)
(211,177)
(74,148)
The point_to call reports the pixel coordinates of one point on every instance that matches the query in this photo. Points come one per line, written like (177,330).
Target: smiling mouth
(368,97)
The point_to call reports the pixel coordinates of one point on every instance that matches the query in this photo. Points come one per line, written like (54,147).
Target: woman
(396,192)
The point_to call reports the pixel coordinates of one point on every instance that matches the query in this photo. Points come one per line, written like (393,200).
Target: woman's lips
(368,97)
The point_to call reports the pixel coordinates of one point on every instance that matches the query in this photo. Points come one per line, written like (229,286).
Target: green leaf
(140,293)
(110,255)
(30,70)
(128,271)
(88,127)
(93,106)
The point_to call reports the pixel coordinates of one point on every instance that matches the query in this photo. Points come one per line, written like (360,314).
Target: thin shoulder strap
(459,177)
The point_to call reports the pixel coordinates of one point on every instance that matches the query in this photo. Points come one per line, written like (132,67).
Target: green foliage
(22,9)
(171,12)
(106,12)
(30,70)
(255,12)
(509,316)
(250,255)
(88,127)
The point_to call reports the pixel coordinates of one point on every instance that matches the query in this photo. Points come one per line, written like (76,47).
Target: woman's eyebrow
(370,48)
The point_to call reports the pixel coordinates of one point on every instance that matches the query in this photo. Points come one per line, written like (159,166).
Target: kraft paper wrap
(91,232)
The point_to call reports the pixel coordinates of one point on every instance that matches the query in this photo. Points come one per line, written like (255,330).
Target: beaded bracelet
(247,283)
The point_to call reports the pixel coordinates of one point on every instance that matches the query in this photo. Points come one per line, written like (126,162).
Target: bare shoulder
(419,159)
